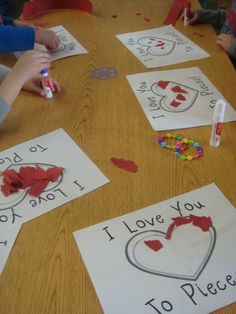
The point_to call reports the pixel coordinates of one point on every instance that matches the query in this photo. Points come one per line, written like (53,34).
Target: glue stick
(187,11)
(217,124)
(46,83)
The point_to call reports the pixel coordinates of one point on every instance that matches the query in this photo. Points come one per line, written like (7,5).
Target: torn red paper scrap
(163,84)
(38,7)
(54,173)
(34,178)
(203,222)
(178,89)
(38,187)
(128,165)
(180,97)
(154,245)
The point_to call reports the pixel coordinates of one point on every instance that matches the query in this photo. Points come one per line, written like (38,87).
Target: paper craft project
(80,176)
(177,256)
(7,240)
(38,7)
(161,46)
(69,46)
(177,99)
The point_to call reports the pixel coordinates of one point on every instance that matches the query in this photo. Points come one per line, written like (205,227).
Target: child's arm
(30,64)
(42,36)
(17,35)
(228,43)
(4,109)
(25,74)
(214,17)
(16,38)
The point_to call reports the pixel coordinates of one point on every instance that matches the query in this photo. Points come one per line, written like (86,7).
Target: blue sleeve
(7,20)
(4,109)
(214,17)
(14,38)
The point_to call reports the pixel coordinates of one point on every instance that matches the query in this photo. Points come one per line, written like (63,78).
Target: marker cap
(44,71)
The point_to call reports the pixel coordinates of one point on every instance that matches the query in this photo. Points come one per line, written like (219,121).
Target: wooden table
(45,273)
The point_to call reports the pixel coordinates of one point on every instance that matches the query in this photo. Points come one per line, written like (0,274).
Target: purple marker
(46,83)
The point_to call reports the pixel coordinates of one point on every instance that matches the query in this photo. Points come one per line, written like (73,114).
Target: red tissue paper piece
(178,89)
(163,84)
(34,178)
(180,97)
(203,222)
(38,7)
(128,165)
(175,12)
(155,245)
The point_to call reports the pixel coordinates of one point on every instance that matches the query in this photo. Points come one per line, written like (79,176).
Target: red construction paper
(154,245)
(163,84)
(203,222)
(54,173)
(175,103)
(175,12)
(170,230)
(38,7)
(38,187)
(128,165)
(178,89)
(34,178)
(180,97)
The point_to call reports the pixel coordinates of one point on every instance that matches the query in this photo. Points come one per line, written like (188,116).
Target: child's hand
(224,41)
(17,23)
(47,38)
(192,19)
(30,64)
(23,75)
(34,85)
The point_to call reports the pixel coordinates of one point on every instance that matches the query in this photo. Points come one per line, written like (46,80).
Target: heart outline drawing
(157,46)
(135,259)
(175,97)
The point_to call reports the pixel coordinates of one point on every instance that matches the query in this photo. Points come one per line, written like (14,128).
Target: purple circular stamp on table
(104,73)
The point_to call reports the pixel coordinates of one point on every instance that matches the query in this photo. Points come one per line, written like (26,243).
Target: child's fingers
(55,86)
(182,16)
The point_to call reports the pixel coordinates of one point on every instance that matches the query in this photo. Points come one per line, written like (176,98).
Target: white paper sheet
(7,240)
(161,46)
(80,176)
(194,271)
(177,99)
(69,46)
